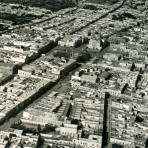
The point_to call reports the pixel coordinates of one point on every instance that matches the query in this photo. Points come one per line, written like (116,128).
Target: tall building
(106,122)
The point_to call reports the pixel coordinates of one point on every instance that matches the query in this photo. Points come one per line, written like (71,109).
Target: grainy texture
(50,4)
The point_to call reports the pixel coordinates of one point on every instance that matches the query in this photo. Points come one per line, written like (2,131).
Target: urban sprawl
(76,77)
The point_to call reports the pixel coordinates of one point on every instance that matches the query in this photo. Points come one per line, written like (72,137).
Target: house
(69,130)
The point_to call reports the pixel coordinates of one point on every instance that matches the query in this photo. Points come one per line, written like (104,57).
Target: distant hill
(49,4)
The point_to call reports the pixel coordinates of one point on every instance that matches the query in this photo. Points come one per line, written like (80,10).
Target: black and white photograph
(73,73)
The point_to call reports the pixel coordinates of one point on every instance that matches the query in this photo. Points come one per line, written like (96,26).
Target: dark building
(106,122)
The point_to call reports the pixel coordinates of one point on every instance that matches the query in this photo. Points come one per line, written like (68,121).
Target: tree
(39,128)
(21,145)
(138,119)
(85,56)
(49,128)
(133,67)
